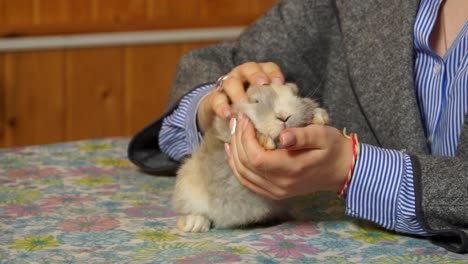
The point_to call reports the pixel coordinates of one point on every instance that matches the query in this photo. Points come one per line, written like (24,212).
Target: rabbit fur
(207,193)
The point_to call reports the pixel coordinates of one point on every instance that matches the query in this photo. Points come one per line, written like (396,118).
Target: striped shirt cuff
(382,190)
(179,135)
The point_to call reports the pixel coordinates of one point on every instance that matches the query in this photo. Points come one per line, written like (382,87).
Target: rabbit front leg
(191,199)
(193,223)
(266,141)
(320,117)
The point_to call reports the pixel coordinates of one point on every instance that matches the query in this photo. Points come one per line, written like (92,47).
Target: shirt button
(437,68)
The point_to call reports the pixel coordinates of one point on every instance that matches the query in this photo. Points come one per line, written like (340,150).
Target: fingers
(239,155)
(309,137)
(219,102)
(239,160)
(273,72)
(220,105)
(252,73)
(251,154)
(258,73)
(234,88)
(242,179)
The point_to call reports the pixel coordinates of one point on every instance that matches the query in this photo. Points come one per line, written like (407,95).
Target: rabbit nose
(283,119)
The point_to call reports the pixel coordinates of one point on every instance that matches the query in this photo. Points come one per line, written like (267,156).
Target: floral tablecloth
(84,202)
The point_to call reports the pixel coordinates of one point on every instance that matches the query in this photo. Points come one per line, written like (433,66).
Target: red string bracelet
(355,147)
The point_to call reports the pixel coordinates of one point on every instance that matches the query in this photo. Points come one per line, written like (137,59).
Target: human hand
(217,102)
(314,158)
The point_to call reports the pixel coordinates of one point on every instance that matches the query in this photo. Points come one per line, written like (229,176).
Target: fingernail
(287,139)
(277,80)
(232,125)
(261,81)
(227,148)
(226,113)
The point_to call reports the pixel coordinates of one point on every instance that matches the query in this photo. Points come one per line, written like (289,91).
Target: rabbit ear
(293,87)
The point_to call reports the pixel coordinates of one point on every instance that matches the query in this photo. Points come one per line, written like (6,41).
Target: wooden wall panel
(224,8)
(57,12)
(94,93)
(81,12)
(62,95)
(257,8)
(33,89)
(18,12)
(2,13)
(150,71)
(121,10)
(53,11)
(53,96)
(149,75)
(2,100)
(45,17)
(169,9)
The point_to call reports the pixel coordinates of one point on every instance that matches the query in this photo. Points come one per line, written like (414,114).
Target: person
(393,72)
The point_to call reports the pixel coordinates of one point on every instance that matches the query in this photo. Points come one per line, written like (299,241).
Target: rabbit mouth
(277,142)
(276,135)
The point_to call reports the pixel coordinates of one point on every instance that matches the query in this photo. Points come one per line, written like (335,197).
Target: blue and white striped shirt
(384,193)
(441,83)
(179,134)
(382,188)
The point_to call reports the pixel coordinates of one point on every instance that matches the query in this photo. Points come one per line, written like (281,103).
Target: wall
(69,94)
(35,17)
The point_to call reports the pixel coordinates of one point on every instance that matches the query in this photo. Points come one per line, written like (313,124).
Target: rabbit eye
(256,101)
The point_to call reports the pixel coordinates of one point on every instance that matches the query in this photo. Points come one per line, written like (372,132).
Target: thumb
(300,138)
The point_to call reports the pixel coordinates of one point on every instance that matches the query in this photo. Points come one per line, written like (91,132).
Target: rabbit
(207,194)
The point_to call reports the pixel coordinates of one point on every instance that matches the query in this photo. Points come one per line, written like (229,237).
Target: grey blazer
(356,57)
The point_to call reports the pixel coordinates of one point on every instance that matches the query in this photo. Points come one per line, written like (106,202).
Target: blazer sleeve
(441,188)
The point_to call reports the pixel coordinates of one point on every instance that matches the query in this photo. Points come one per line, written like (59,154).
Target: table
(84,202)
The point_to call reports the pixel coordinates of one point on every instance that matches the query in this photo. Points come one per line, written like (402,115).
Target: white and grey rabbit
(207,194)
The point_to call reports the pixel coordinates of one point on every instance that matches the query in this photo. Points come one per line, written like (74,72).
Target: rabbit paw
(193,223)
(266,142)
(320,117)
